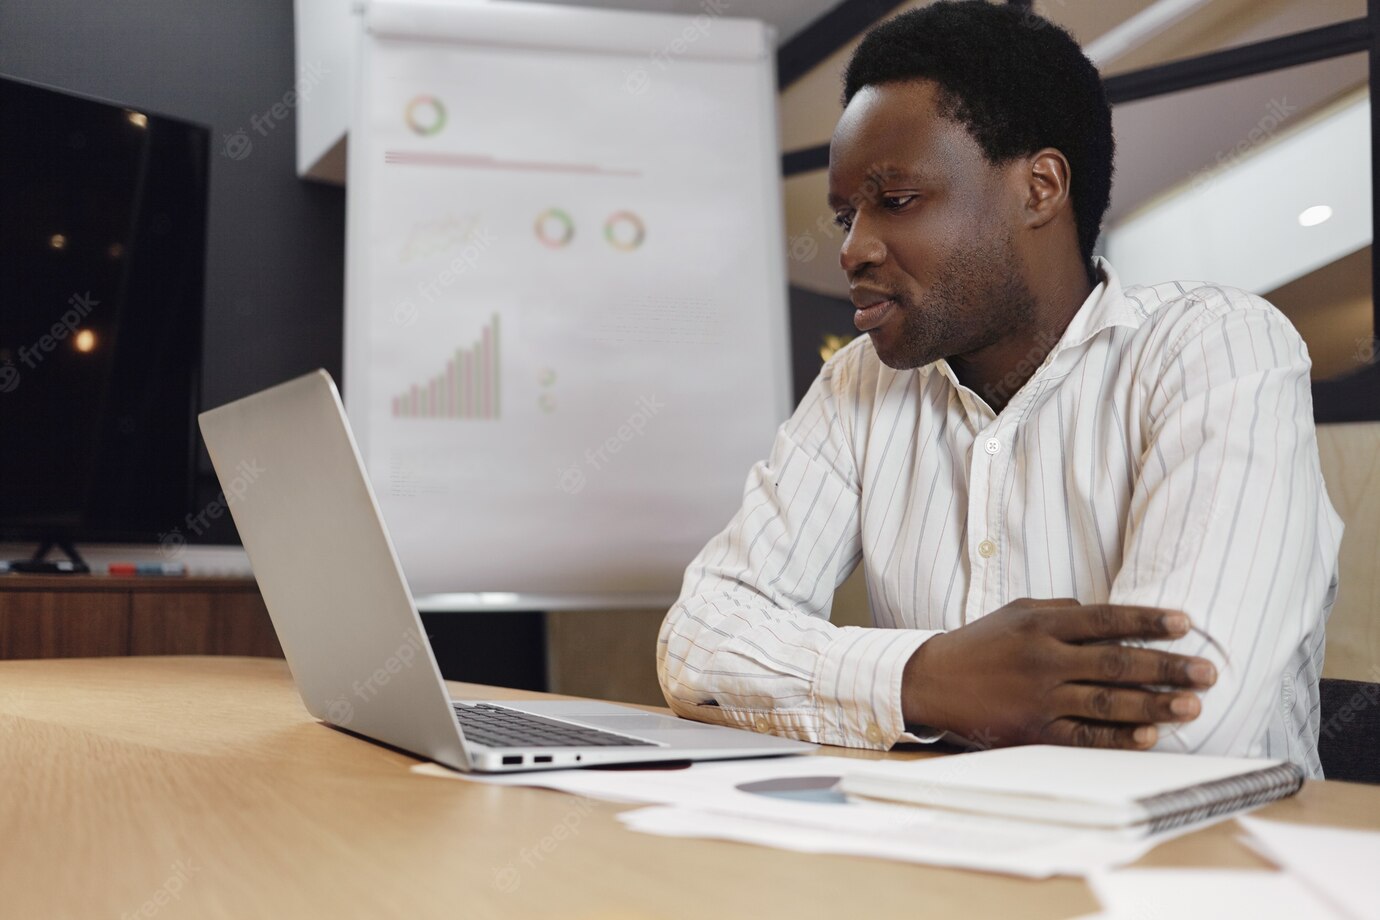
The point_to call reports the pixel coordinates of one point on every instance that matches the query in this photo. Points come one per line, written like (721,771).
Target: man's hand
(1033,672)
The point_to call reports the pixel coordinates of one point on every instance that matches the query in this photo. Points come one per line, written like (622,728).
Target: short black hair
(1017,82)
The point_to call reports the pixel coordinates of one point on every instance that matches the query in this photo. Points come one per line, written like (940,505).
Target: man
(1087,515)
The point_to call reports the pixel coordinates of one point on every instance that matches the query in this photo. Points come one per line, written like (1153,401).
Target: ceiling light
(1311,217)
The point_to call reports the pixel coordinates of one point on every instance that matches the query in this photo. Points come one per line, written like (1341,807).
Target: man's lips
(870,317)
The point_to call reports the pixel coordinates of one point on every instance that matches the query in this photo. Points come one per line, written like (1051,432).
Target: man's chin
(896,355)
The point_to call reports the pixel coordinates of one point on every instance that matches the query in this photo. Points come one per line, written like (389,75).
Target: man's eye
(896,202)
(843,220)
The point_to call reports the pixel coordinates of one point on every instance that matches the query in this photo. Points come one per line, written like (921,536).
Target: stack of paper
(793,803)
(797,803)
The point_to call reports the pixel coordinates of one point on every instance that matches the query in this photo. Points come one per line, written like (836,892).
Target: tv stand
(40,564)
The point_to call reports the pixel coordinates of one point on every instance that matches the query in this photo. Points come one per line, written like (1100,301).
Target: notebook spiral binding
(1206,800)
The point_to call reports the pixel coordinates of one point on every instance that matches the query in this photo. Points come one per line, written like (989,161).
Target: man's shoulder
(1176,311)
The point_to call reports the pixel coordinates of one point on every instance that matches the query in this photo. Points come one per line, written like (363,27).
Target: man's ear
(1044,176)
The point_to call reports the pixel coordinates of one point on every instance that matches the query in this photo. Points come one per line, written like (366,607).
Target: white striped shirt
(1163,454)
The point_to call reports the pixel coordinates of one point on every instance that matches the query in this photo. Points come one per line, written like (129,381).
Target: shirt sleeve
(1229,519)
(749,642)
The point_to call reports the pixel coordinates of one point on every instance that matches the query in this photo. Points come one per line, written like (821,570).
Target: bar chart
(466,388)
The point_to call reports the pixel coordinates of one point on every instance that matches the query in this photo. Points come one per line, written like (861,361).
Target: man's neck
(999,370)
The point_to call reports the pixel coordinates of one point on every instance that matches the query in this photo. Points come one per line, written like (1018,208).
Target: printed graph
(466,388)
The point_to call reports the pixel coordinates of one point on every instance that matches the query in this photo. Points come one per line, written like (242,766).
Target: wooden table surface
(200,787)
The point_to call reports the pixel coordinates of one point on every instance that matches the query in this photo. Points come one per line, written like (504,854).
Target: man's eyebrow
(897,174)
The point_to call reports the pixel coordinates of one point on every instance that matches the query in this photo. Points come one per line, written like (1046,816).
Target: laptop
(299,495)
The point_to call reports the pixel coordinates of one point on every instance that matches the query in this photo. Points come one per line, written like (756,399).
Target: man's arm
(749,643)
(1225,516)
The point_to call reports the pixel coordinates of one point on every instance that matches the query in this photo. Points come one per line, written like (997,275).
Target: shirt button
(993,446)
(874,733)
(762,725)
(987,549)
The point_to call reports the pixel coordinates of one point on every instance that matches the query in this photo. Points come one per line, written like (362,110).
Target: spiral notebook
(1145,790)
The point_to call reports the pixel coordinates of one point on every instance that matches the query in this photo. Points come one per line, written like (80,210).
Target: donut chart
(554,228)
(425,115)
(624,231)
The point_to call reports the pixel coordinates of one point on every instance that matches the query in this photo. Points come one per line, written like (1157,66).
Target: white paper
(925,836)
(1341,866)
(706,800)
(1205,894)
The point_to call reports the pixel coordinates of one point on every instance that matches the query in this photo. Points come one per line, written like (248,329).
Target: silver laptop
(298,493)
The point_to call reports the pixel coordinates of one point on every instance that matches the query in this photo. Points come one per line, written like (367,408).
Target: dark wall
(275,243)
(814,316)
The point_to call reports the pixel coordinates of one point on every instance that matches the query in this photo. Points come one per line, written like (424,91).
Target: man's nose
(861,247)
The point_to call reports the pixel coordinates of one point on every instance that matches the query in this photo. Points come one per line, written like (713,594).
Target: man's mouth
(870,317)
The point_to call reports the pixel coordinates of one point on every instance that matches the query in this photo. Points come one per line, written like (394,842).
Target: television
(102,264)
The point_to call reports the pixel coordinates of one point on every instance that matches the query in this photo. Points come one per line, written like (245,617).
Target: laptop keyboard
(507,728)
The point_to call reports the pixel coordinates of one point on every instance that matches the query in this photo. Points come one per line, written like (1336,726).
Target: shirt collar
(1105,307)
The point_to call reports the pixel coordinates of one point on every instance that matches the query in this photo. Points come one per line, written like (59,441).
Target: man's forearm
(727,659)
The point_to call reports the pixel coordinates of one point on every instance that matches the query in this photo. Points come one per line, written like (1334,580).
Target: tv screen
(102,252)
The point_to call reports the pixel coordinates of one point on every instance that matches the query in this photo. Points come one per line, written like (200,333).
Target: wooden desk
(200,787)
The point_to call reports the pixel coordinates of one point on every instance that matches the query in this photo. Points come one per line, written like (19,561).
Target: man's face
(930,226)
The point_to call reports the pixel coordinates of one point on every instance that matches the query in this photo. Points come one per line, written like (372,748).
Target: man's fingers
(1119,664)
(1121,704)
(1096,622)
(1082,733)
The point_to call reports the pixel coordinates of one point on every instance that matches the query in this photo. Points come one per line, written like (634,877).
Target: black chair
(1349,731)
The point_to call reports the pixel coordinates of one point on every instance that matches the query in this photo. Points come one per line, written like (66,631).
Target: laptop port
(542,758)
(511,759)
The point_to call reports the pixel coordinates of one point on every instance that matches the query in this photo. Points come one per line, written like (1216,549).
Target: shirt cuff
(858,687)
(921,734)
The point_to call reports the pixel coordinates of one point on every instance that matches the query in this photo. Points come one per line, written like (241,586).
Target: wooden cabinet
(604,654)
(95,615)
